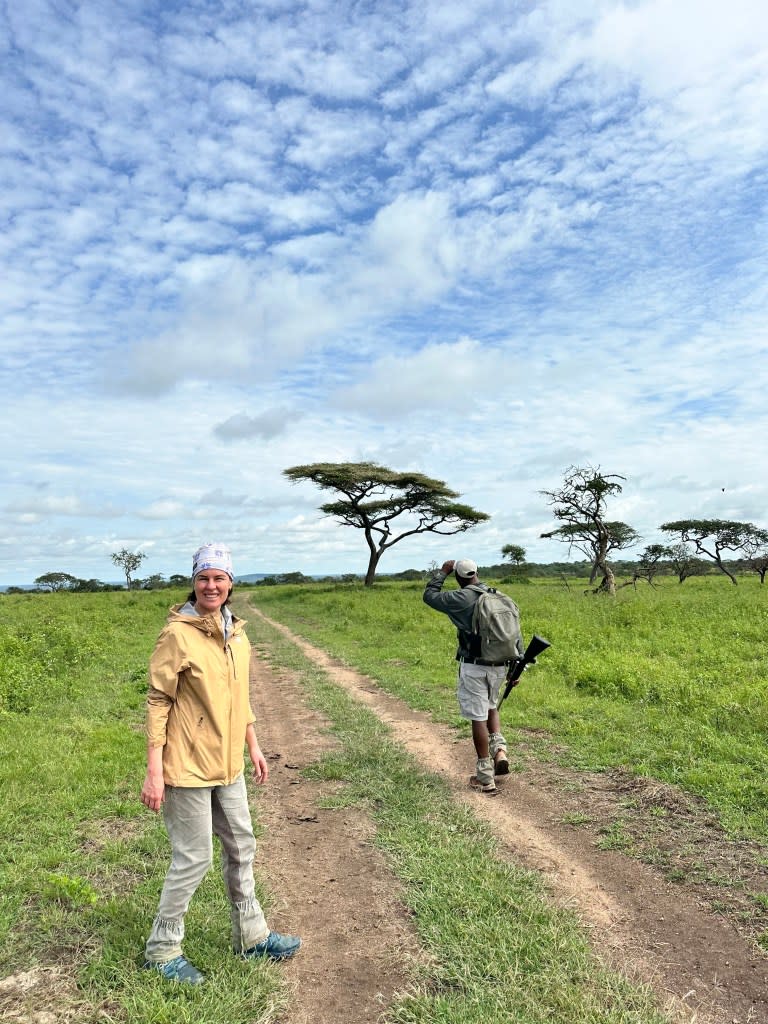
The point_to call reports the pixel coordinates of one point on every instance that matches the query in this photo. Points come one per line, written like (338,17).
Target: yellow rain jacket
(198,706)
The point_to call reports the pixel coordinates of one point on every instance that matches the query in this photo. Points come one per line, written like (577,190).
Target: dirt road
(336,891)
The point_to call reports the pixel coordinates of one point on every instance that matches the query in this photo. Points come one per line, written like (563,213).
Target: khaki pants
(192,816)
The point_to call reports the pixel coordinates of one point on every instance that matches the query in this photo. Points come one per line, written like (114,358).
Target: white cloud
(323,138)
(236,100)
(444,376)
(164,508)
(265,425)
(257,242)
(657,42)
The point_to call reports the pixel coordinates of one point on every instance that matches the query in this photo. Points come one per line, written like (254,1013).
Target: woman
(199,719)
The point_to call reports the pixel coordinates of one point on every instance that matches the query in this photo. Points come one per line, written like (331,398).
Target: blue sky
(482,241)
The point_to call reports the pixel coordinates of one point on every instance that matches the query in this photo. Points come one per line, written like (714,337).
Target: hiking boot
(274,947)
(178,969)
(489,788)
(497,747)
(482,780)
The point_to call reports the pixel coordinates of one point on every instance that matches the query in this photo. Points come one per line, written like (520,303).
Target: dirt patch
(330,884)
(42,995)
(672,831)
(682,921)
(95,836)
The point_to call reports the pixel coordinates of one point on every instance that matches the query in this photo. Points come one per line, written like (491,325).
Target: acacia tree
(372,497)
(515,553)
(651,559)
(712,537)
(54,581)
(580,505)
(129,562)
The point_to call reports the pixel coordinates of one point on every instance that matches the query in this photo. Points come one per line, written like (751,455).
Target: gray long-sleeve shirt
(458,605)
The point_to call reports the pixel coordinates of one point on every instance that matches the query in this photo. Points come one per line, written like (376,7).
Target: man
(479,682)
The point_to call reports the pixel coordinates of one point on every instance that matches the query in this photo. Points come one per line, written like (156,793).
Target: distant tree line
(52,582)
(671,561)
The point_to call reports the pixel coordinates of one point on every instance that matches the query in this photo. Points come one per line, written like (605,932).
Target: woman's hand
(260,766)
(152,792)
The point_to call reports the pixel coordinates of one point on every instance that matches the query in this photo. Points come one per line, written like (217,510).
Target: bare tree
(580,505)
(129,562)
(373,497)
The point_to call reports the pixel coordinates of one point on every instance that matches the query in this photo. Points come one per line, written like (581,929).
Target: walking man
(479,681)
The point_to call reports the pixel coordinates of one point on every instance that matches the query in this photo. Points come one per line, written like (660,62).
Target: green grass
(669,683)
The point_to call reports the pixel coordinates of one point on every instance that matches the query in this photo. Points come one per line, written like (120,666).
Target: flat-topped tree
(54,581)
(713,537)
(515,553)
(372,497)
(650,562)
(580,505)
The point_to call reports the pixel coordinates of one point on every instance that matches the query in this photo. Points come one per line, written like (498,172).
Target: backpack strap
(473,636)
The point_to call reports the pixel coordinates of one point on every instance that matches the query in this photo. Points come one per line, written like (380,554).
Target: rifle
(516,667)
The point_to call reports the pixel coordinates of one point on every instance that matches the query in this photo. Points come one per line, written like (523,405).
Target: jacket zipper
(233,677)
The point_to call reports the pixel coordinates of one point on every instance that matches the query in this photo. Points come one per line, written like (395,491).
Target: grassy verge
(670,683)
(496,948)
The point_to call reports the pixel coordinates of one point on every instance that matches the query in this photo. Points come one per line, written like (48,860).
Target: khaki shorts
(478,689)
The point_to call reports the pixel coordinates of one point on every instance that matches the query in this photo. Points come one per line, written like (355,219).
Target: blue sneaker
(274,947)
(178,969)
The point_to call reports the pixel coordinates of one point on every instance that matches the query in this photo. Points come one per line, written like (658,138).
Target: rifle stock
(536,647)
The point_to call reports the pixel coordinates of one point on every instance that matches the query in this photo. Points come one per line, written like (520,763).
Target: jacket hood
(206,623)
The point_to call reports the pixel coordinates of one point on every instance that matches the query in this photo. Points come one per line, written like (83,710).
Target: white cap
(465,568)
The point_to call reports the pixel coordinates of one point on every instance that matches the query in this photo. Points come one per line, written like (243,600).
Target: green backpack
(496,620)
